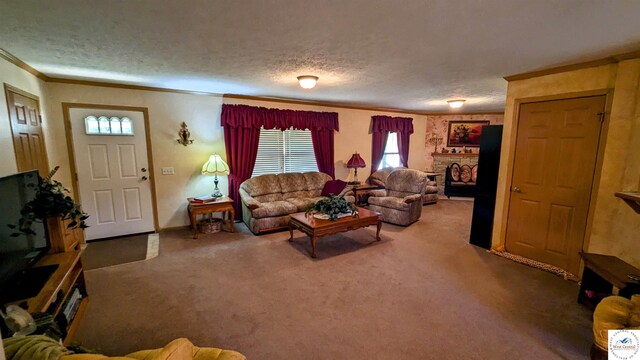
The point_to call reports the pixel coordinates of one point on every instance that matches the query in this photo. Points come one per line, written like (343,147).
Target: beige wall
(166,112)
(16,77)
(438,126)
(354,134)
(614,225)
(202,115)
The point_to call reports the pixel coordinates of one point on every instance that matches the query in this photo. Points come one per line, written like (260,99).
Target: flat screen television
(19,253)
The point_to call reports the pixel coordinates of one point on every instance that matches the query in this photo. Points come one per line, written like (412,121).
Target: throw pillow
(346,190)
(334,187)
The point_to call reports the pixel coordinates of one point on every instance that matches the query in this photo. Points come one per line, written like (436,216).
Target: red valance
(383,124)
(246,116)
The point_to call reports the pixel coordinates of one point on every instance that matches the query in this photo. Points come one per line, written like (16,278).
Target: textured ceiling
(411,54)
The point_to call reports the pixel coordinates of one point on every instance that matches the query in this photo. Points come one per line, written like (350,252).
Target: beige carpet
(421,293)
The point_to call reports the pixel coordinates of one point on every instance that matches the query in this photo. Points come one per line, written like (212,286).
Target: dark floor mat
(121,250)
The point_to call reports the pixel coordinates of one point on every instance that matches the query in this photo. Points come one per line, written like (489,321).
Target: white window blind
(284,152)
(391,156)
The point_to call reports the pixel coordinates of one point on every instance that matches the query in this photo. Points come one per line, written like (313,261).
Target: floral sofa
(268,200)
(380,178)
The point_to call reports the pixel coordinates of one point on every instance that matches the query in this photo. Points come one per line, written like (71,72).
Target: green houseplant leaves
(52,199)
(333,206)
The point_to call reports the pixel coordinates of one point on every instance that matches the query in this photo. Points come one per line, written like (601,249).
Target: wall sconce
(183,135)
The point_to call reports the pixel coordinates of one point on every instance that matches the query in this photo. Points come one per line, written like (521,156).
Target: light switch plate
(167,171)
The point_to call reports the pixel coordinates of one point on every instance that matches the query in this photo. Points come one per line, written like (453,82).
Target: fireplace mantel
(450,154)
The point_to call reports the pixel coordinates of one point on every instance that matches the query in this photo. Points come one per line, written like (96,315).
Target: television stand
(27,283)
(63,295)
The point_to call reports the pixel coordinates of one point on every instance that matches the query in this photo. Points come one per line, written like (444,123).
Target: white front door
(112,171)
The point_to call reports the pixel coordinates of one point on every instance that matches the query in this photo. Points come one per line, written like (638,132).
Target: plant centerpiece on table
(333,206)
(52,200)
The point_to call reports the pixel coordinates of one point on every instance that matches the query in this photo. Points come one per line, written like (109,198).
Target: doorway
(26,129)
(555,161)
(111,158)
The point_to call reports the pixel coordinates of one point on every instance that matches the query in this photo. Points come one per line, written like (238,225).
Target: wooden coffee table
(316,228)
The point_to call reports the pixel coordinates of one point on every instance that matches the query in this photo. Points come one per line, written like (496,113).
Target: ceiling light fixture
(456,103)
(307,81)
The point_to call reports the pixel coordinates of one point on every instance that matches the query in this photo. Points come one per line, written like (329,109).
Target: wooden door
(26,126)
(556,151)
(112,171)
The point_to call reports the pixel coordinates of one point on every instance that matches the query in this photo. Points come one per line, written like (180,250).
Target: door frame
(7,88)
(66,107)
(511,151)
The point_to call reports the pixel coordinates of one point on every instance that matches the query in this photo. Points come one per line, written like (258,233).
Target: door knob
(144,178)
(516,189)
(143,169)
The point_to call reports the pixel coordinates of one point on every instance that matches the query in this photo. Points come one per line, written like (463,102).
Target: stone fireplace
(441,161)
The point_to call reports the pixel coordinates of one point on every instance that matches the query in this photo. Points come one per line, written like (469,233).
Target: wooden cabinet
(61,237)
(58,292)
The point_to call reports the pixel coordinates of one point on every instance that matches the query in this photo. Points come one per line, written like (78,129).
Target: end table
(361,191)
(223,205)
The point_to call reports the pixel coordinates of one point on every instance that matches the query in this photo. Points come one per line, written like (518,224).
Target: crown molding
(125,86)
(21,64)
(614,59)
(51,79)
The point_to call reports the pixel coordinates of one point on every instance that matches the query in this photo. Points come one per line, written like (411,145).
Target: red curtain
(253,116)
(241,144)
(242,125)
(377,149)
(323,150)
(381,126)
(403,148)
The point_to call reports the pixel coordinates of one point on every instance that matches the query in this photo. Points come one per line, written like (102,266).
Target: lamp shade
(215,166)
(356,162)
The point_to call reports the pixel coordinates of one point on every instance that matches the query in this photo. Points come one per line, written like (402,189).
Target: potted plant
(333,207)
(51,201)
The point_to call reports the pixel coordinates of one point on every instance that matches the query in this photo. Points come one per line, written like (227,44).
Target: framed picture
(465,133)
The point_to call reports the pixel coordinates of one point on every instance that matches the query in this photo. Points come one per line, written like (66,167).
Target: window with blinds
(284,152)
(391,156)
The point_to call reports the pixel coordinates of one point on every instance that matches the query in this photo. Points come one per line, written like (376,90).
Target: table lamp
(215,166)
(354,163)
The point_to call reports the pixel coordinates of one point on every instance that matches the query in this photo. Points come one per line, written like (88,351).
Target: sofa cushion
(303,203)
(269,197)
(298,194)
(178,349)
(262,185)
(406,180)
(274,208)
(290,182)
(390,202)
(334,187)
(430,189)
(315,181)
(380,177)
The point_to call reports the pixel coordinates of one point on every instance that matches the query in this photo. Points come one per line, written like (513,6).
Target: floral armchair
(430,190)
(400,202)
